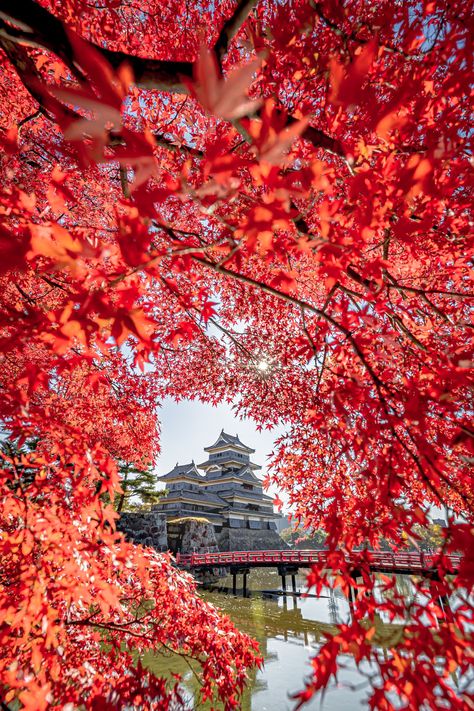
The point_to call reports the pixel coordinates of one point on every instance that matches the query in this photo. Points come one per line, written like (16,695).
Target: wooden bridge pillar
(239,570)
(443,600)
(283,571)
(352,597)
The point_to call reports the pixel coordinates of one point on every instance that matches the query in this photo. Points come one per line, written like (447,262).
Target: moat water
(289,630)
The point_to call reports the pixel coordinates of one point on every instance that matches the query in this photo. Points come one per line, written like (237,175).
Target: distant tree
(428,537)
(301,538)
(287,535)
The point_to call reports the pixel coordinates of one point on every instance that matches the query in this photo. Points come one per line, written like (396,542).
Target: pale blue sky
(187,427)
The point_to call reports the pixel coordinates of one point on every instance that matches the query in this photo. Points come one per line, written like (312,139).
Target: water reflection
(289,629)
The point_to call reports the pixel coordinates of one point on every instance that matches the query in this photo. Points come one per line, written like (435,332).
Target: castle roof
(188,471)
(245,494)
(244,473)
(225,439)
(201,496)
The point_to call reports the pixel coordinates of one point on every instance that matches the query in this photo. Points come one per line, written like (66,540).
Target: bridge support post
(293,582)
(351,596)
(234,582)
(283,583)
(244,592)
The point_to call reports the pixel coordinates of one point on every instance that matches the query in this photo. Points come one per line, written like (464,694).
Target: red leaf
(227,97)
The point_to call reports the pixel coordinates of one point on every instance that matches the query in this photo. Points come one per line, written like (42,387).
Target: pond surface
(289,630)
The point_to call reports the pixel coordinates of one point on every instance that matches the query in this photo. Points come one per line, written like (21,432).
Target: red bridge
(407,563)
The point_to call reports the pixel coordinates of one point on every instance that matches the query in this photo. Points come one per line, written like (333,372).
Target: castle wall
(148,529)
(247,539)
(192,536)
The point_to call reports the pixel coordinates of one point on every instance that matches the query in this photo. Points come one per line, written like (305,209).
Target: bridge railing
(383,560)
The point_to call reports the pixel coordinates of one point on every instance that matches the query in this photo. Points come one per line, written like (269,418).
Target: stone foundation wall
(246,539)
(148,529)
(192,536)
(196,537)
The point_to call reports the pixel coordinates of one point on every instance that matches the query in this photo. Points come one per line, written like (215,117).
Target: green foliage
(138,485)
(16,459)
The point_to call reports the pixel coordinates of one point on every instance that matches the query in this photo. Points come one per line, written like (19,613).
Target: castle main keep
(224,489)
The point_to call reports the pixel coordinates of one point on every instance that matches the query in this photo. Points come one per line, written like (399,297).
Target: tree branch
(304,305)
(26,23)
(232,26)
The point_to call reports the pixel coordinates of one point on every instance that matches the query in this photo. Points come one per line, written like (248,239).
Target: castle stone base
(148,529)
(192,536)
(246,539)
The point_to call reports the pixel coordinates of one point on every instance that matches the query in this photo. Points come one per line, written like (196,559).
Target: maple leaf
(278,503)
(346,84)
(185,331)
(14,246)
(224,97)
(275,149)
(284,281)
(37,698)
(55,242)
(208,311)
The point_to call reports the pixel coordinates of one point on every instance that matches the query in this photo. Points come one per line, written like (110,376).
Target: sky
(187,427)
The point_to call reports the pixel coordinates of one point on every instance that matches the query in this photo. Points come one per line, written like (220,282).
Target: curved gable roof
(187,471)
(225,439)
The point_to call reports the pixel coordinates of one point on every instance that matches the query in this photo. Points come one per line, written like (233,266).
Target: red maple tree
(192,191)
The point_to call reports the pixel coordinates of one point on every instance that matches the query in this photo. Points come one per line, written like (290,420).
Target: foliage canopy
(191,191)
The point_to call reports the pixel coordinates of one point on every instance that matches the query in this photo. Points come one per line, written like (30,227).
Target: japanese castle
(228,493)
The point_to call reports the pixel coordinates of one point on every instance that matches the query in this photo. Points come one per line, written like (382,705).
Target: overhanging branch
(27,24)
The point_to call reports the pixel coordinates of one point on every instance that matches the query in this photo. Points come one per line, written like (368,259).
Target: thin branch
(352,36)
(411,336)
(233,25)
(442,292)
(372,285)
(301,304)
(124,182)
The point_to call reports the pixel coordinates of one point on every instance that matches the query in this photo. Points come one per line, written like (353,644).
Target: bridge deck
(380,561)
